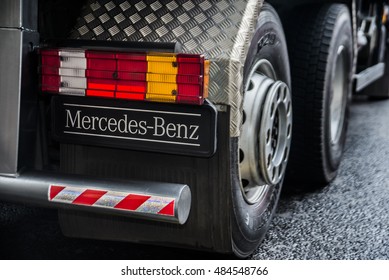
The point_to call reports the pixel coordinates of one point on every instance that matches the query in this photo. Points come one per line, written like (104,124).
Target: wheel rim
(266,132)
(339,95)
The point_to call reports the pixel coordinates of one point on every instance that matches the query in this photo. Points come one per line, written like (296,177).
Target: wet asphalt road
(349,219)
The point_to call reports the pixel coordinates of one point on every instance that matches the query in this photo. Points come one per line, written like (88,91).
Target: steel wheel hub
(266,131)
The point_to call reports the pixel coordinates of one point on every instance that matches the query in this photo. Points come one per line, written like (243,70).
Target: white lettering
(179,129)
(112,122)
(123,122)
(143,127)
(125,125)
(73,121)
(192,136)
(105,126)
(159,126)
(94,120)
(171,128)
(86,122)
(133,124)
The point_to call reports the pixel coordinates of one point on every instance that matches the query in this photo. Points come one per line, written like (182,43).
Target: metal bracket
(370,75)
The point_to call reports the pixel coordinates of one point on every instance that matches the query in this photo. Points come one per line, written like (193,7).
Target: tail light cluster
(159,77)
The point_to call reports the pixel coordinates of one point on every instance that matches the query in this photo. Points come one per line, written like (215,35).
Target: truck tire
(259,156)
(321,47)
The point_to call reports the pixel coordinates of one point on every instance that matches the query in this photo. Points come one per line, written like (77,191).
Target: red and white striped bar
(146,200)
(157,205)
(164,202)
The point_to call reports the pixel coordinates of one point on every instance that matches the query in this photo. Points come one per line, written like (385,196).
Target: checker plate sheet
(221,30)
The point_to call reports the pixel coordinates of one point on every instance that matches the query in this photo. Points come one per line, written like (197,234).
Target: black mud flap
(208,226)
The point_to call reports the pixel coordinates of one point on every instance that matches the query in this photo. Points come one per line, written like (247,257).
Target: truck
(176,122)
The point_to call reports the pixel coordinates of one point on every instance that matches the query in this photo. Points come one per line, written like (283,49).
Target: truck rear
(171,122)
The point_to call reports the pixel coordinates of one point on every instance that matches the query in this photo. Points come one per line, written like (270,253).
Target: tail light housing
(145,76)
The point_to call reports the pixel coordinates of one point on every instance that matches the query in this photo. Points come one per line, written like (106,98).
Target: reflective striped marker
(139,203)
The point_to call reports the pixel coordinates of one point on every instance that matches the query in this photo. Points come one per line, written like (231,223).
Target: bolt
(273,143)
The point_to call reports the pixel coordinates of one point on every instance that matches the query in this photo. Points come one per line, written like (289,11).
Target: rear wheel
(259,156)
(322,69)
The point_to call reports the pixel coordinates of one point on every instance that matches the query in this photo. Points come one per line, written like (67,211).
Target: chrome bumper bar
(165,202)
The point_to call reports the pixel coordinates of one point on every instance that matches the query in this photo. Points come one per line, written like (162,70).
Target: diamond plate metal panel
(221,30)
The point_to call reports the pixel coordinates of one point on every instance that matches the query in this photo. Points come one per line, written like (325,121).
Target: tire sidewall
(251,221)
(342,35)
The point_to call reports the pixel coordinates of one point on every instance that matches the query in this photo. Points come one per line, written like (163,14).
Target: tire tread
(309,52)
